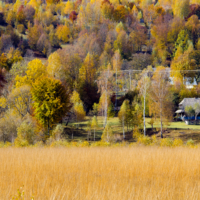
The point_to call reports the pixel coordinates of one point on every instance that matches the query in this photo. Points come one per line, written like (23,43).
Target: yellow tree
(34,3)
(20,100)
(79,112)
(123,114)
(63,33)
(75,98)
(116,67)
(50,101)
(182,63)
(104,103)
(120,13)
(34,71)
(107,9)
(107,135)
(69,7)
(181,8)
(81,17)
(87,72)
(77,108)
(167,4)
(16,6)
(160,95)
(119,27)
(94,124)
(54,67)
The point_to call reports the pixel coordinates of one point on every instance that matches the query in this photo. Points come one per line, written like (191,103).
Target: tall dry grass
(101,173)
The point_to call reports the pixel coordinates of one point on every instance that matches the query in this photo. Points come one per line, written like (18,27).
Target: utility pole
(130,79)
(106,103)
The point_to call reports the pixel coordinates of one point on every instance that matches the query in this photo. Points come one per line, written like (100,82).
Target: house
(181,110)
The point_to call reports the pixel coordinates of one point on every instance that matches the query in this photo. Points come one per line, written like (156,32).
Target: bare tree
(160,95)
(104,87)
(144,84)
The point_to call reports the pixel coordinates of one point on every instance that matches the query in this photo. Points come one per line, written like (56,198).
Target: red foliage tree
(73,16)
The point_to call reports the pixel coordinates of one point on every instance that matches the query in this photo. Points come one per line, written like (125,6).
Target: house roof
(179,111)
(189,101)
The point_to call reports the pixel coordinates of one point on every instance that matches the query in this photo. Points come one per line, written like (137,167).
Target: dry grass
(143,173)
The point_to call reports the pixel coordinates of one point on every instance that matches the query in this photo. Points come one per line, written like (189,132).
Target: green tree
(189,111)
(182,41)
(107,135)
(79,111)
(25,133)
(123,114)
(95,109)
(51,101)
(196,110)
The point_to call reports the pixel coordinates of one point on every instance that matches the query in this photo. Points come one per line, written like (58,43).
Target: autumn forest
(67,65)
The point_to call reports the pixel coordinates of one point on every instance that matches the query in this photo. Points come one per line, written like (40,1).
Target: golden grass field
(126,173)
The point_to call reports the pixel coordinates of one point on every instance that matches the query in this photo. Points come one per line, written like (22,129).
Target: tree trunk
(116,91)
(94,134)
(48,128)
(161,125)
(161,134)
(196,119)
(144,115)
(4,138)
(123,130)
(106,104)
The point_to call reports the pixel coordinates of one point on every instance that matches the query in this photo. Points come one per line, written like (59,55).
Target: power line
(162,71)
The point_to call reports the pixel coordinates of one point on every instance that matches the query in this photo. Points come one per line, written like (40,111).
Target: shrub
(60,143)
(177,143)
(57,132)
(136,133)
(25,133)
(144,140)
(100,144)
(7,144)
(39,144)
(154,140)
(107,135)
(21,142)
(190,143)
(166,142)
(84,144)
(1,144)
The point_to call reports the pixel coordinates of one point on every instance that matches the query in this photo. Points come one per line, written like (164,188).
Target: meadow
(99,173)
(173,130)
